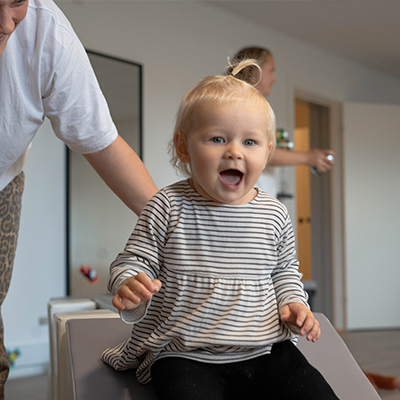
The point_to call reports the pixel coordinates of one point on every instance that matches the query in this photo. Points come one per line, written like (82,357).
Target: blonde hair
(260,54)
(219,90)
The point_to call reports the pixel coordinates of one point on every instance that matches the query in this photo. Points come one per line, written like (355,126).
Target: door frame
(337,198)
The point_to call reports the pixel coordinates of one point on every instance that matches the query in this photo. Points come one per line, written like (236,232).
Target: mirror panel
(99,223)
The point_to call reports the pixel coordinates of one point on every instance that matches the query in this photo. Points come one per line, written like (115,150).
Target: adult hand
(318,158)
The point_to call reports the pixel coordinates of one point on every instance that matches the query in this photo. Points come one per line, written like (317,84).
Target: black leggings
(285,374)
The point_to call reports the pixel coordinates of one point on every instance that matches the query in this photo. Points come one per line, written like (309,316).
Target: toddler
(209,277)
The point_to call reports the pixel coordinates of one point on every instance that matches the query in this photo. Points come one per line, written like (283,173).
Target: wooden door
(303,207)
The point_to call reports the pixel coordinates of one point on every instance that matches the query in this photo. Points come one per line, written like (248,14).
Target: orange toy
(383,382)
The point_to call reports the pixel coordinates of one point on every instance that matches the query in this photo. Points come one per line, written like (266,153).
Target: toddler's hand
(134,291)
(300,316)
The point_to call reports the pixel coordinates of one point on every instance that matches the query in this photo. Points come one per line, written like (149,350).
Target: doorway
(313,205)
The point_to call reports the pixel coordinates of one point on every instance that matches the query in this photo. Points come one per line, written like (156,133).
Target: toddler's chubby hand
(135,290)
(300,316)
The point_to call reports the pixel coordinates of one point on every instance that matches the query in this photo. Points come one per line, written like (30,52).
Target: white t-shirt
(45,72)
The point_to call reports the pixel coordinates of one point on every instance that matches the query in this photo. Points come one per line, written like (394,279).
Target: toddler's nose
(233,151)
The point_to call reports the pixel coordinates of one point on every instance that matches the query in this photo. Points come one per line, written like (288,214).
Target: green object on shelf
(283,141)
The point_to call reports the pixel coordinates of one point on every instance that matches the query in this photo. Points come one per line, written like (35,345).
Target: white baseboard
(26,372)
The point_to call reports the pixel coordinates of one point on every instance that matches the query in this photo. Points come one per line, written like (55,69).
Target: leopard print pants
(10,211)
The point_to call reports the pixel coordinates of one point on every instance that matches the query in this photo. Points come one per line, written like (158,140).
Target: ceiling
(364,31)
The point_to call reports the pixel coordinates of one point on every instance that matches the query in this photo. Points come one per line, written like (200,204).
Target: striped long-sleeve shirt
(225,272)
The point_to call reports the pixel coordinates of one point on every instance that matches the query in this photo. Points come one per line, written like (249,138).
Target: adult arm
(313,158)
(123,171)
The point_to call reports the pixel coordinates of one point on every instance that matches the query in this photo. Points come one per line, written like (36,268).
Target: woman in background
(314,158)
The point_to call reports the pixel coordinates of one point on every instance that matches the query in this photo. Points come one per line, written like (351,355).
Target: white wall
(178,43)
(372,219)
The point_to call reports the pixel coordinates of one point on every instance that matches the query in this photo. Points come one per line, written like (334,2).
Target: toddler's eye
(217,140)
(249,142)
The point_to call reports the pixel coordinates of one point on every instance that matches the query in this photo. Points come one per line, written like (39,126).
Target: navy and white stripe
(225,272)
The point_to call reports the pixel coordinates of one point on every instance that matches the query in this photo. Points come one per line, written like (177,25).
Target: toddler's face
(227,149)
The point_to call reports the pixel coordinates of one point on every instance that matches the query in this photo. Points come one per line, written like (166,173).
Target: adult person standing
(316,158)
(45,72)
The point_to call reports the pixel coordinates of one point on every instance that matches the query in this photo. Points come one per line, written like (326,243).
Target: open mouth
(231,177)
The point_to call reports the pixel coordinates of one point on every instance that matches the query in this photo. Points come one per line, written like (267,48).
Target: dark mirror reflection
(99,224)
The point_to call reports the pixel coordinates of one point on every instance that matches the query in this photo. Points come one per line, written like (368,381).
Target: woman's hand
(318,158)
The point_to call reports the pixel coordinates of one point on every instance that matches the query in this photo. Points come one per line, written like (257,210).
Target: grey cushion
(94,380)
(333,359)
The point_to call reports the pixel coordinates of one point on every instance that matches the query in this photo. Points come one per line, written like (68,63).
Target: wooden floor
(32,388)
(375,351)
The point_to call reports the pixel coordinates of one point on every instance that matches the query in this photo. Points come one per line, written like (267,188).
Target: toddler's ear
(180,143)
(268,158)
